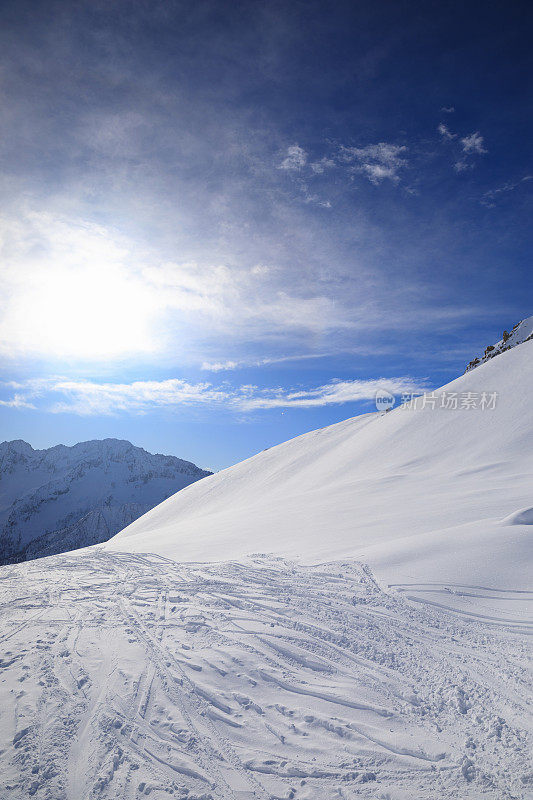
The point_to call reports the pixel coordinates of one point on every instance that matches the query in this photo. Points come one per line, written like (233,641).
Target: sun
(96,313)
(76,292)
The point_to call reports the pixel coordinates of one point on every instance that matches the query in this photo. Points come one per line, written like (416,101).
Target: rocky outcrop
(522,332)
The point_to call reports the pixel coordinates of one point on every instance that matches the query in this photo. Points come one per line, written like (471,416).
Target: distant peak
(521,332)
(108,443)
(109,449)
(17,446)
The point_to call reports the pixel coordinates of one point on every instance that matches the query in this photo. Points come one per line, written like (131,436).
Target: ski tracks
(123,676)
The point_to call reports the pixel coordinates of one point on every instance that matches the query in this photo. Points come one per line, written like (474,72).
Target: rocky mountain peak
(521,332)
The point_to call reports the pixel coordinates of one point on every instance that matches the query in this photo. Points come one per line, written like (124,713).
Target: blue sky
(225,224)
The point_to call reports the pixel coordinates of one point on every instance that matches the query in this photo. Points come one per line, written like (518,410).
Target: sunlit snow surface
(347,615)
(125,675)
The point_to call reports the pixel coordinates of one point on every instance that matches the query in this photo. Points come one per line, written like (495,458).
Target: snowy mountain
(346,615)
(64,498)
(522,332)
(391,489)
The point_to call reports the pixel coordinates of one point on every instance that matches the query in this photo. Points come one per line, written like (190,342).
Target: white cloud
(73,289)
(296,158)
(473,144)
(445,132)
(221,366)
(464,149)
(489,198)
(462,165)
(318,167)
(316,199)
(332,393)
(377,161)
(448,109)
(17,401)
(378,172)
(89,398)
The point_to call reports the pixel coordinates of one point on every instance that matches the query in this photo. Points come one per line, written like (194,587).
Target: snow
(419,494)
(344,616)
(125,675)
(522,332)
(64,498)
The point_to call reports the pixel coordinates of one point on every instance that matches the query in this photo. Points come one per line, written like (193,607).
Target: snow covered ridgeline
(522,332)
(64,498)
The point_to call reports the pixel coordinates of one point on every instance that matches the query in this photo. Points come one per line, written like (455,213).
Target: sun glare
(88,314)
(73,291)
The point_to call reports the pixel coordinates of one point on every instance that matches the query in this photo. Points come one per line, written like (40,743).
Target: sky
(224,224)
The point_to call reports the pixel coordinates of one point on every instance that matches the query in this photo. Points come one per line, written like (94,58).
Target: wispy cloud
(90,398)
(474,144)
(17,401)
(323,164)
(489,199)
(462,165)
(379,162)
(446,133)
(234,364)
(296,158)
(465,148)
(72,288)
(225,366)
(332,393)
(87,398)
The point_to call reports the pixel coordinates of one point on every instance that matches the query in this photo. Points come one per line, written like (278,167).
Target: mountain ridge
(520,333)
(66,497)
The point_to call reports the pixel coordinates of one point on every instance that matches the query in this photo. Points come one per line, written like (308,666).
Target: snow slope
(69,497)
(168,663)
(420,493)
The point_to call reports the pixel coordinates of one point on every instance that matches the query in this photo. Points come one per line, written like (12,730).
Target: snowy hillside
(392,489)
(522,332)
(68,497)
(346,616)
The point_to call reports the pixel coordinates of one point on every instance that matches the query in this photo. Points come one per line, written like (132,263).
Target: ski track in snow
(124,675)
